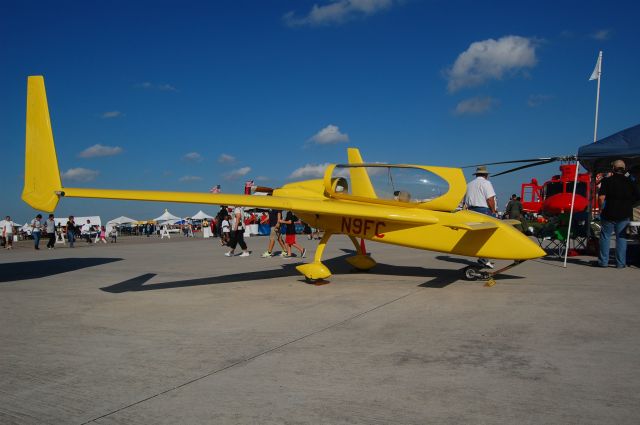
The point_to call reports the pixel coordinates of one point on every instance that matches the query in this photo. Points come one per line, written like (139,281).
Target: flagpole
(573,202)
(595,129)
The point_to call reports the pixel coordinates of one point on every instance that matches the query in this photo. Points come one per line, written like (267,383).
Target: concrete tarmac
(150,331)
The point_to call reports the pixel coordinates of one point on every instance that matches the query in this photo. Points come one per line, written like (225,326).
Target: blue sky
(185,95)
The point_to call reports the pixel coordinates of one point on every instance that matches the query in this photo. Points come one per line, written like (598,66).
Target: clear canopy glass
(390,183)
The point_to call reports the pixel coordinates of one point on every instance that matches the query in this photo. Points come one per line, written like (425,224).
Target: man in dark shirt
(616,198)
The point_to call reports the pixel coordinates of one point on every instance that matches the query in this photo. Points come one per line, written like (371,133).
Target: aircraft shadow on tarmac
(441,277)
(10,272)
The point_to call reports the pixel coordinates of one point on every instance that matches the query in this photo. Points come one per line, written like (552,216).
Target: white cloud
(236,174)
(309,171)
(193,157)
(538,99)
(226,159)
(491,59)
(475,105)
(329,134)
(111,114)
(188,179)
(159,87)
(338,12)
(100,150)
(80,174)
(601,35)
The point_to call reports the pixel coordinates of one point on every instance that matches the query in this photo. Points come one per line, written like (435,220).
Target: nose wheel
(477,273)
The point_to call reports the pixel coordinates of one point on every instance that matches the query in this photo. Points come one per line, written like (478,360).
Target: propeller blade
(535,164)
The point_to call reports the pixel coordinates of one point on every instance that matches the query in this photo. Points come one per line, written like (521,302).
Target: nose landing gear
(478,273)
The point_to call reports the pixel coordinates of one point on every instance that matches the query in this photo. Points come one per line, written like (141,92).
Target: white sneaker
(245,254)
(266,254)
(229,254)
(486,263)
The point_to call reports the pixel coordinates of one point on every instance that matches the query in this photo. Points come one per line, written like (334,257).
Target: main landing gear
(480,273)
(317,272)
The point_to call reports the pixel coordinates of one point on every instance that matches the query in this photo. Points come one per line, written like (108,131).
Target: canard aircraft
(413,206)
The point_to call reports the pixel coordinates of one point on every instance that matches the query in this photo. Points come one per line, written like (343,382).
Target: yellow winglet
(472,226)
(360,182)
(41,175)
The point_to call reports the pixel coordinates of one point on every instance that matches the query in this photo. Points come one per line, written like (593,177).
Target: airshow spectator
(616,198)
(36,229)
(50,228)
(481,197)
(7,232)
(85,231)
(71,231)
(290,238)
(102,235)
(237,233)
(274,218)
(226,230)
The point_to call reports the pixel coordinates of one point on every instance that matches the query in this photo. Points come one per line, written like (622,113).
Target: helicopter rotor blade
(508,162)
(535,164)
(516,161)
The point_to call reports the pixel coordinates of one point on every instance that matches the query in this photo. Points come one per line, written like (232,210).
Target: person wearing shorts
(290,238)
(274,221)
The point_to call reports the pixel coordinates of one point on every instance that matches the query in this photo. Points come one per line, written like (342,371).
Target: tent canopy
(122,220)
(201,216)
(167,218)
(625,145)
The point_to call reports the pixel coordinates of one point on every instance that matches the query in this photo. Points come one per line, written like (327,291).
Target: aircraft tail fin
(360,182)
(42,183)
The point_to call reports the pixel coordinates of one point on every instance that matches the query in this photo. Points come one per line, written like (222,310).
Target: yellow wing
(43,187)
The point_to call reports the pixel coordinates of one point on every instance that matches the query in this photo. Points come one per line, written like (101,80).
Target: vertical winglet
(360,182)
(41,174)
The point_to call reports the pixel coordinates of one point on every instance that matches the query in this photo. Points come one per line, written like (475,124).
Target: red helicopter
(554,196)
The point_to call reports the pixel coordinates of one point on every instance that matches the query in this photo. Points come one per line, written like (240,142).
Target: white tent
(121,220)
(117,222)
(201,215)
(166,218)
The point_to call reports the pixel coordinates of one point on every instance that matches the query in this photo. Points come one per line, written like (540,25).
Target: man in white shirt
(481,198)
(36,229)
(7,232)
(480,195)
(85,230)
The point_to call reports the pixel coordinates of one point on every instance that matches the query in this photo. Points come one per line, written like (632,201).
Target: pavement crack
(251,358)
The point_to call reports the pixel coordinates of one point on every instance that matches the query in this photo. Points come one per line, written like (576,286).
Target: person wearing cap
(481,197)
(616,198)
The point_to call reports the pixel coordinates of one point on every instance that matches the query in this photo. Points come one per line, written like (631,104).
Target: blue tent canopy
(597,157)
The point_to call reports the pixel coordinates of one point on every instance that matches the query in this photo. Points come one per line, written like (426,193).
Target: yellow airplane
(408,205)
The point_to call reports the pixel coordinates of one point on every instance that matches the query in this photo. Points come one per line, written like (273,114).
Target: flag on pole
(595,75)
(247,187)
(216,189)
